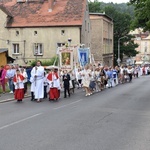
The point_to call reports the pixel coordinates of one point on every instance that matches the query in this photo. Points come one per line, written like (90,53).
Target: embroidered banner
(83,56)
(66,58)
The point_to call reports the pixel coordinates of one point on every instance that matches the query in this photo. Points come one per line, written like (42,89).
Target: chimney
(50,5)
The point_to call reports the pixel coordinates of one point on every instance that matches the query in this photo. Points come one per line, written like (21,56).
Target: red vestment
(19,87)
(53,93)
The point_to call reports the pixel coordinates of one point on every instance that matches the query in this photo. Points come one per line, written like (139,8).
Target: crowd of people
(49,83)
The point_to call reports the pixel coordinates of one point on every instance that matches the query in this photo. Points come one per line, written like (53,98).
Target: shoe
(11,92)
(38,101)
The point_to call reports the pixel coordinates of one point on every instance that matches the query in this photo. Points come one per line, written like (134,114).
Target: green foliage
(94,6)
(122,8)
(122,23)
(122,20)
(99,7)
(142,14)
(128,46)
(47,62)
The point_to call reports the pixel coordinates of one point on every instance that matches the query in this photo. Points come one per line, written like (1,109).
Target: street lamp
(119,60)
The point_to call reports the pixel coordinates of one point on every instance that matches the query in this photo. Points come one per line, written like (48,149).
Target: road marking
(68,104)
(19,121)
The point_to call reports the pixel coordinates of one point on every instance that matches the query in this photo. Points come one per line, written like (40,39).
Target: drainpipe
(24,54)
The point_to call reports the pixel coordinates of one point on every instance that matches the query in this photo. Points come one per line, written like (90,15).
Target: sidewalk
(7,97)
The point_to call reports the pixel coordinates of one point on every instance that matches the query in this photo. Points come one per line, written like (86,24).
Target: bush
(47,62)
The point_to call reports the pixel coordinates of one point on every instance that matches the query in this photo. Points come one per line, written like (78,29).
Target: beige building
(102,38)
(143,41)
(143,49)
(34,29)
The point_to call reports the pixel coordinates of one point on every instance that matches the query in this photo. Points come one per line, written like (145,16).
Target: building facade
(102,38)
(34,29)
(143,41)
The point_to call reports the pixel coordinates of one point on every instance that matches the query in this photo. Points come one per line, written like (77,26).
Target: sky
(114,1)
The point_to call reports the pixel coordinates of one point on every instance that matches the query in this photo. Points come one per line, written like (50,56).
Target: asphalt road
(115,119)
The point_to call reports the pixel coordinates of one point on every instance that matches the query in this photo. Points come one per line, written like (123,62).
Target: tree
(94,6)
(122,23)
(122,28)
(122,7)
(142,14)
(128,46)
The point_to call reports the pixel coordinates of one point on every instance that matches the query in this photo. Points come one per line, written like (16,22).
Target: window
(35,33)
(60,44)
(62,32)
(17,33)
(38,49)
(15,48)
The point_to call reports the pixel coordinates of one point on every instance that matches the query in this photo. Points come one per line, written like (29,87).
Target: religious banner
(83,56)
(66,58)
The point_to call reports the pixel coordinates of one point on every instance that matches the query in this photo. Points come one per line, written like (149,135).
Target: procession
(53,84)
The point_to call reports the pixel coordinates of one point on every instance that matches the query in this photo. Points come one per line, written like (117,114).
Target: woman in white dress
(86,75)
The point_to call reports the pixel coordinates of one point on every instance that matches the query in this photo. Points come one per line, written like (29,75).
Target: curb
(12,99)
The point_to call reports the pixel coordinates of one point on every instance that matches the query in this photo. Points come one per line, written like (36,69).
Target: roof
(100,14)
(2,50)
(147,38)
(35,13)
(5,10)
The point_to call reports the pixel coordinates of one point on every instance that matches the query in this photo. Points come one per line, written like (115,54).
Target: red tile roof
(35,13)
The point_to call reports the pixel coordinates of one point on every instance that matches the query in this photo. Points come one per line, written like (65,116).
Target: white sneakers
(11,92)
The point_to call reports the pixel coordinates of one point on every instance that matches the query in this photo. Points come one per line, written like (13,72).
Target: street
(114,119)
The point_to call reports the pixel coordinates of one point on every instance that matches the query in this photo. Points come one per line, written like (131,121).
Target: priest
(37,74)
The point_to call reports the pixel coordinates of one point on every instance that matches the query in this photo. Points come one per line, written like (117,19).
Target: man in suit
(66,79)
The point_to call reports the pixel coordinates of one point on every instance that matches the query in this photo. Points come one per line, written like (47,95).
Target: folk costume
(54,85)
(37,74)
(98,80)
(19,87)
(86,77)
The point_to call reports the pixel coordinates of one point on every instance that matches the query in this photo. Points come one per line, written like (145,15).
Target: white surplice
(38,81)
